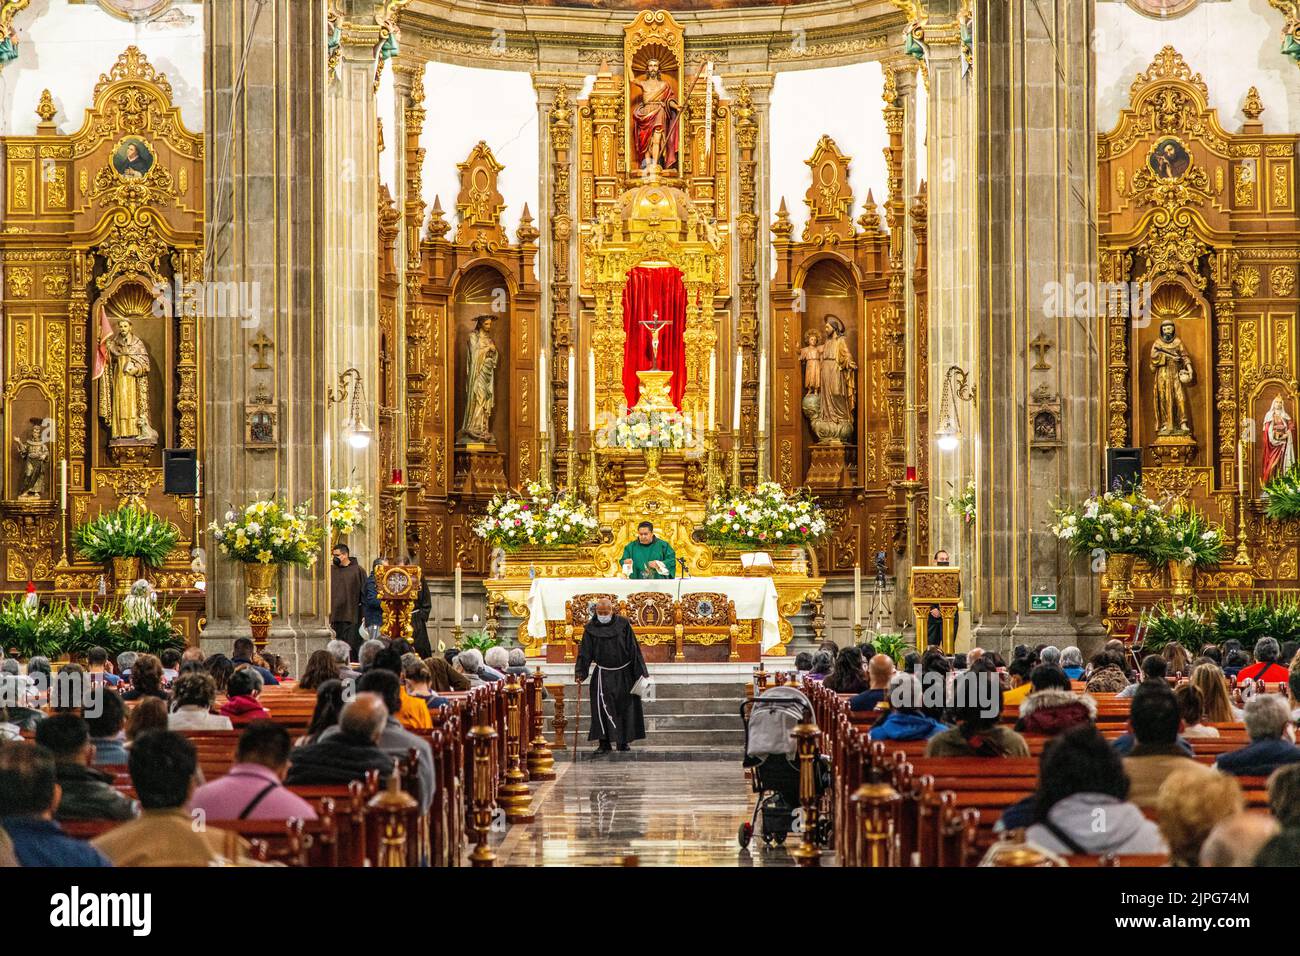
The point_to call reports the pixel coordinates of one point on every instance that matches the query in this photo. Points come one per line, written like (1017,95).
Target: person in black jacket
(88,792)
(348,755)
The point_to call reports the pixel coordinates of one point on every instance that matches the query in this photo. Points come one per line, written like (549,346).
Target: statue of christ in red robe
(654,121)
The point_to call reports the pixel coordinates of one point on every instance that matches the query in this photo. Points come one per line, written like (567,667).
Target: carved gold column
(747,286)
(894,333)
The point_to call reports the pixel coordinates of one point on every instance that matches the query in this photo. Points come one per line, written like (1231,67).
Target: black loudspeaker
(180,472)
(1123,468)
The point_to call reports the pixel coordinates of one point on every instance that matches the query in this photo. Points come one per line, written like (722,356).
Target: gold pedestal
(654,395)
(1119,600)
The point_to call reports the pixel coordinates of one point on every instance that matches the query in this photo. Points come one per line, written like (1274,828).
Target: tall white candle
(1241,465)
(542,416)
(713,388)
(63,485)
(591,389)
(573,387)
(735,408)
(762,392)
(857,594)
(456,598)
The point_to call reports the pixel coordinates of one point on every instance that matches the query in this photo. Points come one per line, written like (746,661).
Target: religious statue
(811,357)
(34,451)
(1173,373)
(480,384)
(1279,441)
(122,367)
(654,121)
(837,379)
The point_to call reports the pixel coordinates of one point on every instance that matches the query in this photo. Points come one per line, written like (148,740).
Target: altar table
(754,597)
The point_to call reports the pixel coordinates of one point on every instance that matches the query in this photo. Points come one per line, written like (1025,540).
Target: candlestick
(762,391)
(572,388)
(1241,465)
(857,594)
(712,474)
(63,485)
(456,598)
(762,457)
(591,389)
(713,388)
(541,392)
(735,408)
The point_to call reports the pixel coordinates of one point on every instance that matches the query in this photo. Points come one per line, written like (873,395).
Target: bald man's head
(364,717)
(974,654)
(881,669)
(1237,840)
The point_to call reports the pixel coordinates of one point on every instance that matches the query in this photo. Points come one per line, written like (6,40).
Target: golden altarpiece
(1199,247)
(102,250)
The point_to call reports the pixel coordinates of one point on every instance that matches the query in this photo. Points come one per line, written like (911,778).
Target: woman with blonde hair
(1216,705)
(1177,658)
(1191,801)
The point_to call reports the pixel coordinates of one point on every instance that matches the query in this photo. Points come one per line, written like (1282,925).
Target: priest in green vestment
(651,557)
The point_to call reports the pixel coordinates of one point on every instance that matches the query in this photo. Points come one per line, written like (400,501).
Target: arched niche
(1178,301)
(483,291)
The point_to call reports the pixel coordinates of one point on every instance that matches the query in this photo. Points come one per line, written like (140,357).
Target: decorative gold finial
(870,218)
(783,227)
(438,225)
(45,110)
(527,232)
(1253,106)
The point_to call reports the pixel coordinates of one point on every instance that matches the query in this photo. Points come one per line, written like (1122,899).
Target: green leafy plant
(1114,523)
(536,517)
(895,645)
(1285,623)
(146,627)
(478,640)
(90,626)
(1283,495)
(1191,540)
(30,630)
(1244,621)
(1186,625)
(769,516)
(128,532)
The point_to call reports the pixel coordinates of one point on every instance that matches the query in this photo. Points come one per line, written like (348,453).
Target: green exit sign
(1042,602)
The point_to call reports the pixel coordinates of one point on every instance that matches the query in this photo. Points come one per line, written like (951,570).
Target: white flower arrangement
(639,429)
(269,532)
(536,517)
(768,516)
(1114,523)
(348,510)
(963,505)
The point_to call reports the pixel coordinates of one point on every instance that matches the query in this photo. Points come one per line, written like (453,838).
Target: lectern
(399,588)
(936,587)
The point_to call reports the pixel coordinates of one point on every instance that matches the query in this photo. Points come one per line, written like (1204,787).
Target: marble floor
(606,812)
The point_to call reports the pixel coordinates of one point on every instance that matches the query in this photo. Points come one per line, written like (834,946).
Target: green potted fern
(125,539)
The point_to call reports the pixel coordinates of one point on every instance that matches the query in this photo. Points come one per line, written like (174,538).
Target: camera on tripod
(880,569)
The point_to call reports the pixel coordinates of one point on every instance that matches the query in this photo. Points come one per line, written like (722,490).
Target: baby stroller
(770,756)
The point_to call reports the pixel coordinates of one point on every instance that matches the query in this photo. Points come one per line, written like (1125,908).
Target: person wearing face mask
(347,582)
(934,623)
(612,656)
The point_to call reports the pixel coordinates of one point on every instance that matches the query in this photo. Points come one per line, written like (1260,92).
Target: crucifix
(655,325)
(1040,345)
(260,346)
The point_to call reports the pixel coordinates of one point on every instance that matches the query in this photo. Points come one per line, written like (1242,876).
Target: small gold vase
(1181,578)
(259,579)
(126,571)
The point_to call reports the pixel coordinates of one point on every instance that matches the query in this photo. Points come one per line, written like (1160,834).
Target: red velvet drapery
(648,291)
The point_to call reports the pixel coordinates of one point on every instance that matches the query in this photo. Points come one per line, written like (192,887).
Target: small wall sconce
(355,428)
(956,386)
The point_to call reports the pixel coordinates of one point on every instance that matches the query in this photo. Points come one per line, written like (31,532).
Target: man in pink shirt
(253,789)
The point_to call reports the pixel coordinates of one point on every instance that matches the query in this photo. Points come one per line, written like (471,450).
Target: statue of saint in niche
(480,384)
(122,367)
(837,379)
(1172,366)
(34,451)
(654,120)
(1278,456)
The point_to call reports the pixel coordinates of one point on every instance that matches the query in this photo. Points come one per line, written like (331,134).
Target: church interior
(590,393)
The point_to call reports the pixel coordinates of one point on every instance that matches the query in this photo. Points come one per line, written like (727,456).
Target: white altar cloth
(755,598)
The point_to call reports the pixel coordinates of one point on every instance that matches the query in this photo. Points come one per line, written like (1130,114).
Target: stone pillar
(1035,73)
(266,209)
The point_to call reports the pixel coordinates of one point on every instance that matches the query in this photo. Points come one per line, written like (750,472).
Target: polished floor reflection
(612,813)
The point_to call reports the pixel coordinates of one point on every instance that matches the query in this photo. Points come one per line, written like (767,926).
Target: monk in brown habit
(610,649)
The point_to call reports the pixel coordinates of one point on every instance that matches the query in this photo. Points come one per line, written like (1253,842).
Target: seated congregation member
(1266,667)
(170,659)
(29,799)
(219,669)
(879,672)
(803,662)
(1234,662)
(126,661)
(1019,671)
(366,654)
(329,704)
(347,751)
(88,793)
(108,732)
(242,692)
(321,666)
(149,714)
(97,661)
(1154,668)
(906,720)
(1293,693)
(1282,850)
(822,664)
(977,714)
(1272,739)
(1216,704)
(846,677)
(1155,721)
(1177,660)
(146,679)
(417,685)
(1191,709)
(470,663)
(193,654)
(1236,841)
(1189,804)
(342,655)
(164,771)
(517,663)
(1072,663)
(253,789)
(1052,707)
(193,695)
(1080,781)
(243,654)
(496,659)
(444,677)
(1284,795)
(21,711)
(411,712)
(1049,655)
(1107,675)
